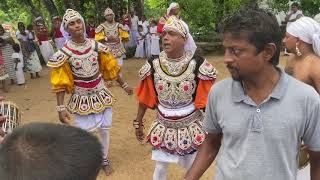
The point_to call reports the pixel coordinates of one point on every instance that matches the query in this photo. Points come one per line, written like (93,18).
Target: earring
(298,50)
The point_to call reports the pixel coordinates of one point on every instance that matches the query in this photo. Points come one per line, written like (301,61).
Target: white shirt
(23,37)
(20,57)
(153,31)
(134,23)
(145,25)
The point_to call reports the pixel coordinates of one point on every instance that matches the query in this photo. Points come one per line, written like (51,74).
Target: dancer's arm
(315,165)
(138,124)
(125,86)
(206,155)
(64,116)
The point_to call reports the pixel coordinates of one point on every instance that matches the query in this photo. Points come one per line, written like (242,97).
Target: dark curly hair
(258,26)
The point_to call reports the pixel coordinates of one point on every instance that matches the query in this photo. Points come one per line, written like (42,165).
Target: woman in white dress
(18,60)
(155,44)
(140,43)
(31,57)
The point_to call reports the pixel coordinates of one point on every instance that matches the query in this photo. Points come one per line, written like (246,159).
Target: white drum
(13,116)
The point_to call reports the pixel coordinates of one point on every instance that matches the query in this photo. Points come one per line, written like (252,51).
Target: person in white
(133,30)
(155,46)
(30,57)
(294,14)
(56,33)
(140,43)
(18,60)
(43,38)
(147,42)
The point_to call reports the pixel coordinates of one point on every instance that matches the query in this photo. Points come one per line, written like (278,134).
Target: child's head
(153,23)
(16,47)
(140,28)
(30,27)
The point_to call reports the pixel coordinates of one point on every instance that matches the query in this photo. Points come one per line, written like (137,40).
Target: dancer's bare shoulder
(314,72)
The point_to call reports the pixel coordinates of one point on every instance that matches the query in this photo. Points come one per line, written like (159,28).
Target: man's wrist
(125,85)
(137,124)
(61,108)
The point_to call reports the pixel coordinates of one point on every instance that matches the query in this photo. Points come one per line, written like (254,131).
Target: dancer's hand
(140,134)
(113,39)
(64,117)
(128,90)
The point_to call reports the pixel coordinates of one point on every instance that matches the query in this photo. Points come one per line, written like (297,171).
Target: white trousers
(163,159)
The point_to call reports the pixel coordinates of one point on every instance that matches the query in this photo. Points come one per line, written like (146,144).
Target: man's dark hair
(258,26)
(16,47)
(295,4)
(50,151)
(21,24)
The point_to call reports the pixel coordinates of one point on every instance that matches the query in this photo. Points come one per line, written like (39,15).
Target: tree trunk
(70,4)
(51,7)
(34,11)
(138,7)
(81,7)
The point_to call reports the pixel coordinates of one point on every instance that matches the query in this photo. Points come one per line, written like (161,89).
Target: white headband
(69,16)
(307,30)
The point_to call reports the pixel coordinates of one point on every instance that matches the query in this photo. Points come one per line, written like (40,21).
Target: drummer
(262,113)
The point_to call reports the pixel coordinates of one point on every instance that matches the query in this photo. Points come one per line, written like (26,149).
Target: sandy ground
(130,159)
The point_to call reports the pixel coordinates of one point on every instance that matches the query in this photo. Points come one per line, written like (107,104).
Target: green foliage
(310,7)
(202,16)
(278,5)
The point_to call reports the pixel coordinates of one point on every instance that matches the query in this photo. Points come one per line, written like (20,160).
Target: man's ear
(269,51)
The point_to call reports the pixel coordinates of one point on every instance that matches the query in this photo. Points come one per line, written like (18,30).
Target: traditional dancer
(57,35)
(43,38)
(256,120)
(112,34)
(303,42)
(176,84)
(80,68)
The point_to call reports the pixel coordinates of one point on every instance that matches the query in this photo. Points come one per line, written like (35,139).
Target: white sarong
(91,122)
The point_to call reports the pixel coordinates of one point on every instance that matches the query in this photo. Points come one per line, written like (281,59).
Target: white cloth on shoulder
(190,45)
(307,30)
